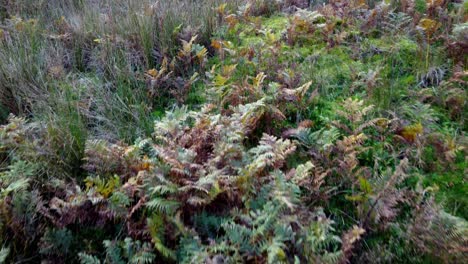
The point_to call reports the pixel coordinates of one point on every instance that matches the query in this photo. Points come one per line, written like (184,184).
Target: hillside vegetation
(239,131)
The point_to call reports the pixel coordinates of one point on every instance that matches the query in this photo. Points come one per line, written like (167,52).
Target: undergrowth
(256,131)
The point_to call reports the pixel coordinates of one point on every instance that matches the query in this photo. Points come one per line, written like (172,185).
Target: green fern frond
(56,242)
(143,257)
(88,259)
(162,205)
(113,252)
(285,192)
(17,178)
(16,186)
(165,251)
(164,189)
(19,169)
(172,123)
(4,252)
(321,139)
(145,147)
(156,226)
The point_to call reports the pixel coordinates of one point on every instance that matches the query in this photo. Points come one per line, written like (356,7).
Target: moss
(402,44)
(331,70)
(249,36)
(420,6)
(276,23)
(250,40)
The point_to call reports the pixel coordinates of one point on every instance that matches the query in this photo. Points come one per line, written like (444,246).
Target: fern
(56,242)
(19,169)
(397,22)
(320,244)
(15,186)
(4,252)
(119,202)
(277,247)
(284,191)
(156,225)
(450,232)
(18,177)
(127,251)
(88,259)
(208,225)
(354,111)
(215,182)
(271,152)
(162,205)
(321,139)
(113,252)
(172,124)
(420,113)
(349,240)
(192,251)
(143,257)
(137,252)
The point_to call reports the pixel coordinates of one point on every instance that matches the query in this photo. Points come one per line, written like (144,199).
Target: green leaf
(365,185)
(356,198)
(4,254)
(87,259)
(162,205)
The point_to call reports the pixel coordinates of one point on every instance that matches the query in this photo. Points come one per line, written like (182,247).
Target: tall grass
(77,66)
(114,40)
(24,56)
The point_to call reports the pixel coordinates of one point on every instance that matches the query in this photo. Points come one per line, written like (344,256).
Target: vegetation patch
(240,131)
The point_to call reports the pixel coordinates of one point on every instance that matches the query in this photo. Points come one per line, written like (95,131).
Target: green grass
(451,188)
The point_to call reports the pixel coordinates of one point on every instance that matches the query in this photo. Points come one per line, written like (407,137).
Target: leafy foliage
(258,131)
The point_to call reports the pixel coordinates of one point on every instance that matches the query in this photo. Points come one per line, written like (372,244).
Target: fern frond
(321,139)
(88,259)
(156,226)
(162,205)
(270,152)
(442,235)
(113,252)
(168,188)
(303,171)
(4,252)
(143,257)
(16,186)
(172,124)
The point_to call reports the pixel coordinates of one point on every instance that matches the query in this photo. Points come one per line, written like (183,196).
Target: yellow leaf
(194,77)
(216,44)
(258,80)
(219,80)
(411,132)
(152,72)
(231,20)
(280,254)
(201,55)
(228,69)
(177,29)
(429,26)
(355,198)
(221,9)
